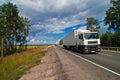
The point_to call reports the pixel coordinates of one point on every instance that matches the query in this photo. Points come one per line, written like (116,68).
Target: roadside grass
(14,66)
(31,47)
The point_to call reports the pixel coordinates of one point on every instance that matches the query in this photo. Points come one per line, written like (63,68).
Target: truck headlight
(86,48)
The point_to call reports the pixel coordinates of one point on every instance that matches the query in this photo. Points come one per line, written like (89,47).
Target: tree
(116,39)
(110,39)
(26,30)
(61,42)
(11,12)
(92,24)
(112,18)
(23,31)
(106,39)
(14,29)
(2,31)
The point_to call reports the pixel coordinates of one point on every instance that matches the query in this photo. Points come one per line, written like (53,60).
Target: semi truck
(83,41)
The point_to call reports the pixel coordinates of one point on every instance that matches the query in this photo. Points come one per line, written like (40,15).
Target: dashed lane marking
(105,54)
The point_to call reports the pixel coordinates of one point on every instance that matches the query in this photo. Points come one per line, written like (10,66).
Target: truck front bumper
(92,49)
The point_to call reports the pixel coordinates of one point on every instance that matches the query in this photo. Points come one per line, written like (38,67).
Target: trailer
(83,41)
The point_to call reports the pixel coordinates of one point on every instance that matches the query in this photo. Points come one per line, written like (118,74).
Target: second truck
(83,41)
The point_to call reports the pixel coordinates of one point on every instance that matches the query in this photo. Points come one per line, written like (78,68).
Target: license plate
(92,51)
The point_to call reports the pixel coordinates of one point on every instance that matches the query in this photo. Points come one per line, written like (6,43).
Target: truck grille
(92,42)
(92,48)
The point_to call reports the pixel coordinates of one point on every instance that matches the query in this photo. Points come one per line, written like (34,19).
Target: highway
(108,60)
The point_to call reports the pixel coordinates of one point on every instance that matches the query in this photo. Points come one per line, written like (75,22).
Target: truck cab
(87,41)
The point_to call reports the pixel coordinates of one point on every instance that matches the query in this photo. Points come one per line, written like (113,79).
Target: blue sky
(51,20)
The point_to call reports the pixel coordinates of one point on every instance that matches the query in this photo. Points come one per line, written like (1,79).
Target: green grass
(15,74)
(14,66)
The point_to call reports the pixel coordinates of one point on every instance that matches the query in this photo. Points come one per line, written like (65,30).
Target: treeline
(14,29)
(110,39)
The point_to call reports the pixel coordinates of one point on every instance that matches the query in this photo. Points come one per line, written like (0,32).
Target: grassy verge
(12,67)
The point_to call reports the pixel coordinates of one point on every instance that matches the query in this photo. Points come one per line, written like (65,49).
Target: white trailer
(83,41)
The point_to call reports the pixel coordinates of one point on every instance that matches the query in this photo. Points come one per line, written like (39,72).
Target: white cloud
(36,5)
(57,42)
(73,28)
(40,39)
(83,27)
(54,16)
(34,41)
(46,9)
(54,25)
(43,5)
(58,32)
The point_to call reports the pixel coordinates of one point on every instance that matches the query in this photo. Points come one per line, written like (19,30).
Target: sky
(51,20)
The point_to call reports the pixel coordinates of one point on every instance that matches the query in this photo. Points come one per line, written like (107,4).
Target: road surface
(110,60)
(60,64)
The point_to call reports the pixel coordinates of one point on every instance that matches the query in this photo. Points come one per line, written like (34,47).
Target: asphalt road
(109,60)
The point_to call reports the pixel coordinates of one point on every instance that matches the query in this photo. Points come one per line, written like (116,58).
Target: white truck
(83,41)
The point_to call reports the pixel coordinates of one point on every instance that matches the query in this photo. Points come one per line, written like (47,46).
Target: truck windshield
(91,35)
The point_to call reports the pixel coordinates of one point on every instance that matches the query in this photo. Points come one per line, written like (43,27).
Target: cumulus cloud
(32,40)
(40,39)
(37,42)
(53,25)
(83,27)
(71,9)
(57,42)
(45,9)
(54,16)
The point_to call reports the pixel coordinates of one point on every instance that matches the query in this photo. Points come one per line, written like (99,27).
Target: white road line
(96,64)
(105,54)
